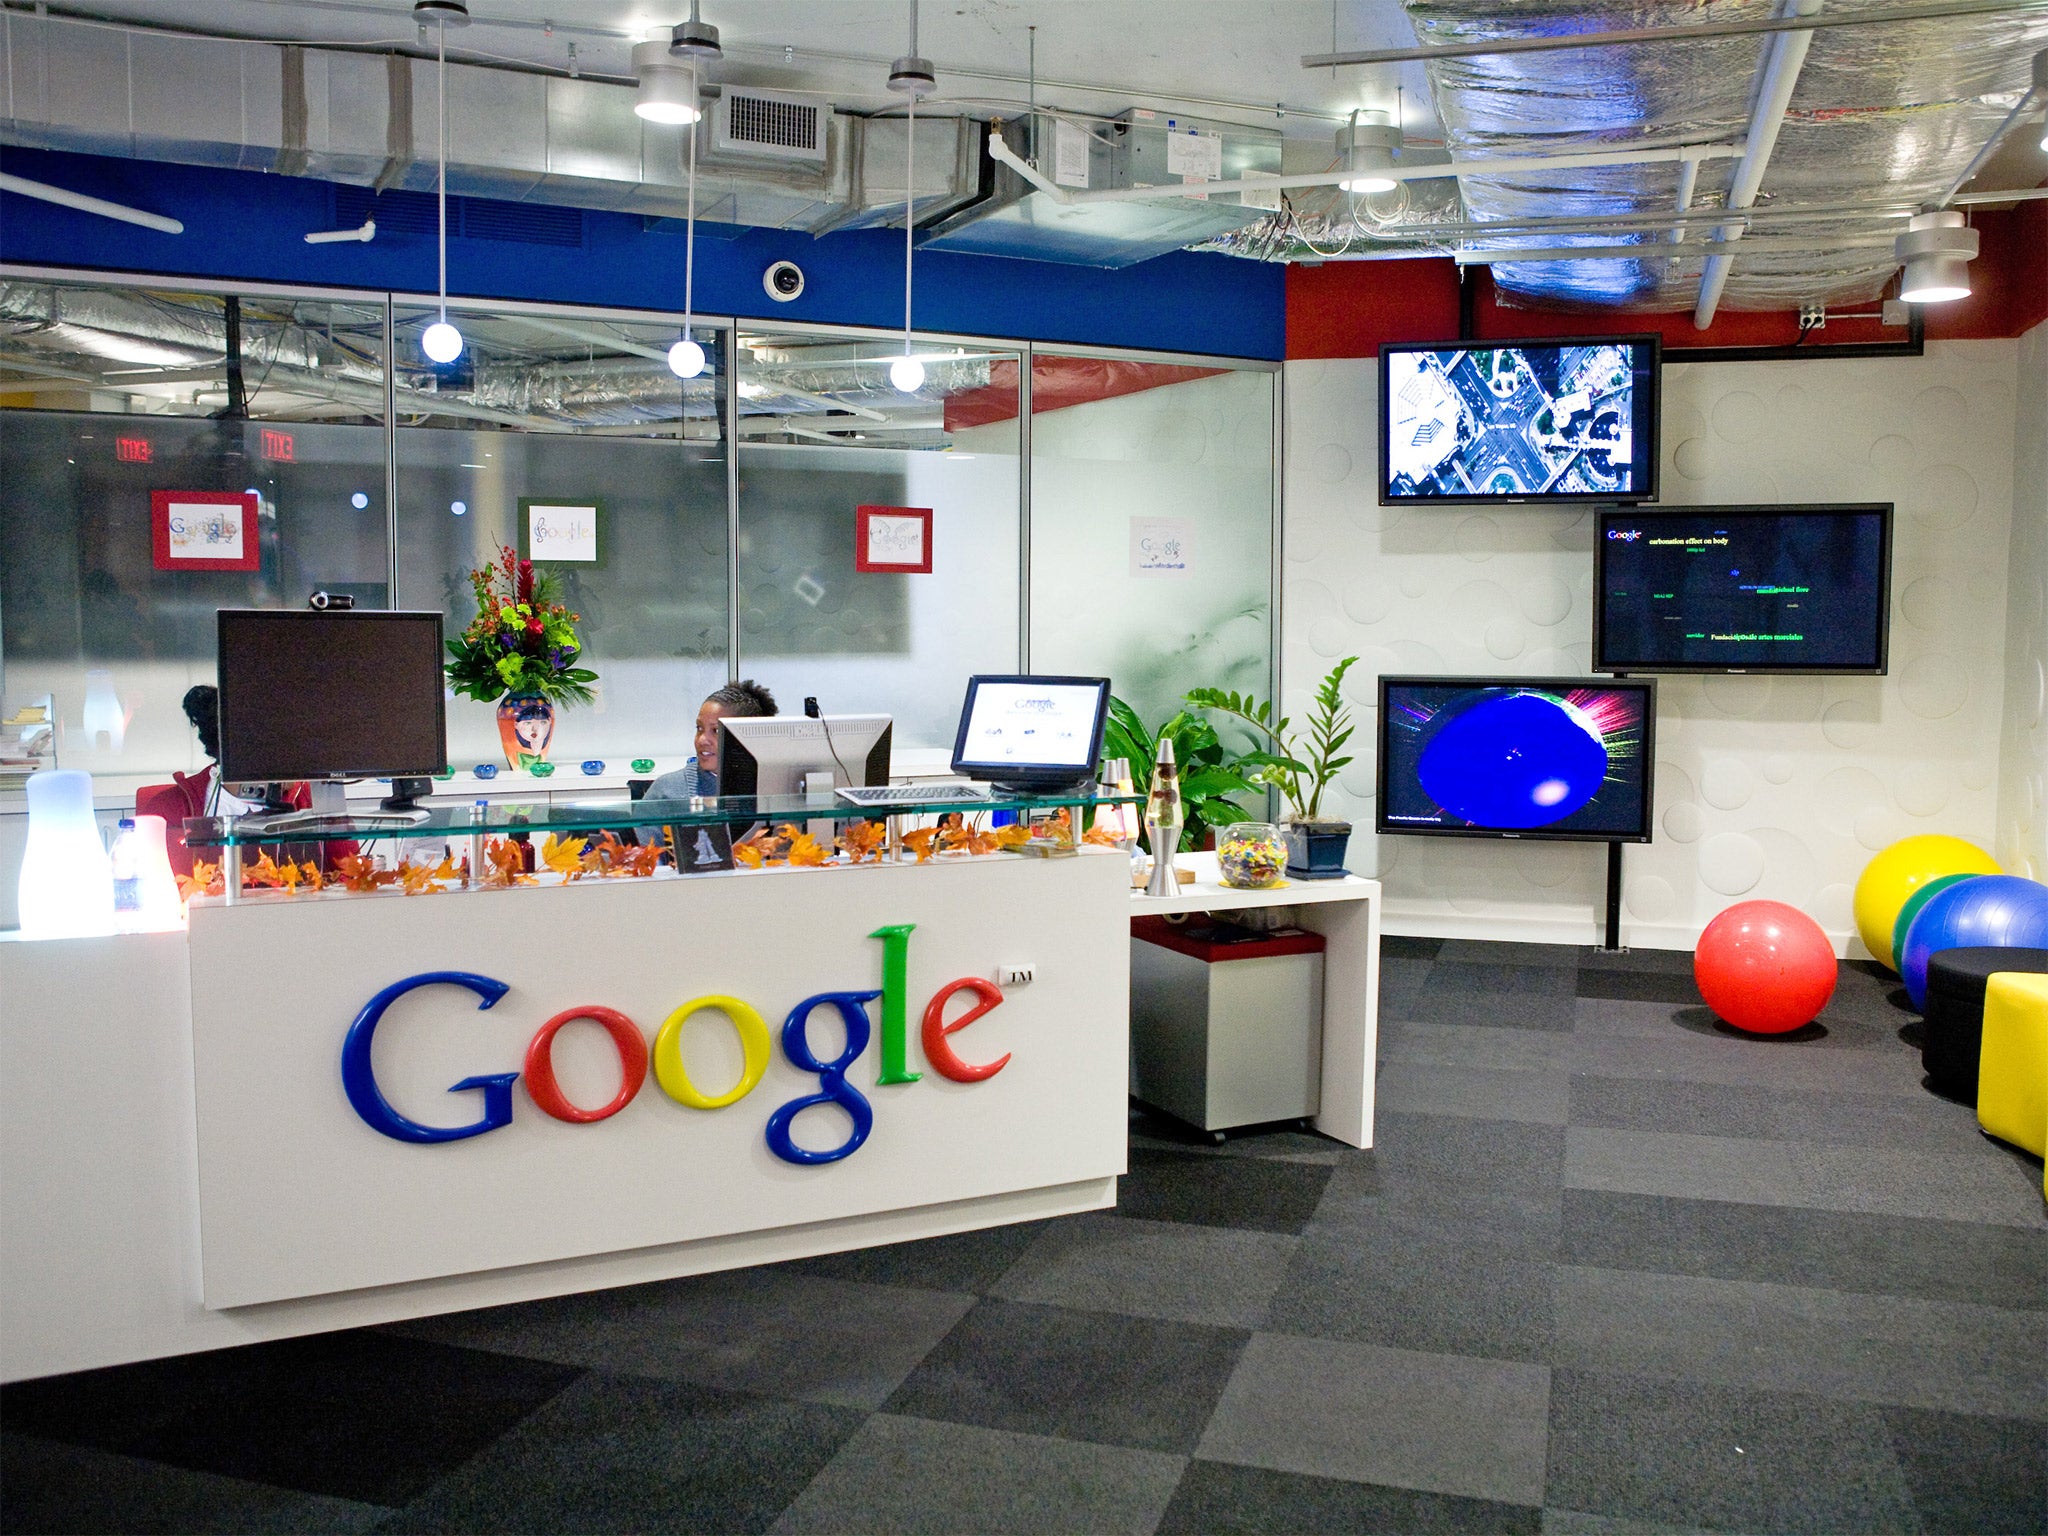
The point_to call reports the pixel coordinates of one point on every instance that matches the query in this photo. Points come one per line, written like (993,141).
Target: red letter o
(541,1086)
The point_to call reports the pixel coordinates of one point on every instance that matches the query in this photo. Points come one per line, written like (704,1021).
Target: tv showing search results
(1519,421)
(1743,589)
(1558,758)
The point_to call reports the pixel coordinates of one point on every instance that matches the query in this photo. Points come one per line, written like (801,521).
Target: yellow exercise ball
(1890,879)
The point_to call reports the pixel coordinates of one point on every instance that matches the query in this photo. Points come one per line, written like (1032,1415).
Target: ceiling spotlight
(907,374)
(1368,152)
(1937,249)
(668,93)
(686,359)
(696,39)
(441,342)
(442,13)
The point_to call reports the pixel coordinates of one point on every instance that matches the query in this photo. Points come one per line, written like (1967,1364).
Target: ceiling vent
(770,123)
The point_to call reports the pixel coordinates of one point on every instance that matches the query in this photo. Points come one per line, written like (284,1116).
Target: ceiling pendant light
(1936,249)
(910,76)
(441,341)
(1367,150)
(686,357)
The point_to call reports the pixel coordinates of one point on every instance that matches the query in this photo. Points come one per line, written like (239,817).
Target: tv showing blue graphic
(1743,589)
(1519,421)
(1561,758)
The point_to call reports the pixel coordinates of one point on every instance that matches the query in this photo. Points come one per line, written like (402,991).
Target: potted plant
(1206,780)
(1300,765)
(519,652)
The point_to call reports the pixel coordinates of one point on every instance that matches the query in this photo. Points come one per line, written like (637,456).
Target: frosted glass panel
(1167,469)
(823,432)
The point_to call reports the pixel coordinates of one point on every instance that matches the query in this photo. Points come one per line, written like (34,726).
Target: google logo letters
(665,1058)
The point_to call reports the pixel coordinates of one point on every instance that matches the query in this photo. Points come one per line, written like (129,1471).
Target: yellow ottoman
(2012,1070)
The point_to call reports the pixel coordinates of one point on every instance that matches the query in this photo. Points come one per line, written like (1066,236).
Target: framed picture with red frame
(203,530)
(894,539)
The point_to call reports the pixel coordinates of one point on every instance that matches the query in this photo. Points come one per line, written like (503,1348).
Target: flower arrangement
(522,640)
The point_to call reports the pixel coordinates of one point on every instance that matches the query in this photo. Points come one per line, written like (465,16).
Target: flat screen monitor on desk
(1033,735)
(337,695)
(800,754)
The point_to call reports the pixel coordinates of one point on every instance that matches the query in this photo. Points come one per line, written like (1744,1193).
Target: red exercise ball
(1765,967)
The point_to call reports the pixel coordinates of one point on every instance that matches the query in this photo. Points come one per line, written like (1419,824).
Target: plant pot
(526,727)
(1315,849)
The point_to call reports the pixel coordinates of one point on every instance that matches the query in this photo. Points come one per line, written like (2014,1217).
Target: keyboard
(882,796)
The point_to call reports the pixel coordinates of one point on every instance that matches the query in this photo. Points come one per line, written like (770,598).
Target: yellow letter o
(668,1052)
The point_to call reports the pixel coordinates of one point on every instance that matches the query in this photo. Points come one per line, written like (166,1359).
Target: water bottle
(127,861)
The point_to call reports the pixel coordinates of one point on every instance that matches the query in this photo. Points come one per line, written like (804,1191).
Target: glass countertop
(597,816)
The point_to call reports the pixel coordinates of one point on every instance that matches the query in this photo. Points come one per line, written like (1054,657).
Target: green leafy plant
(1207,778)
(521,641)
(1300,764)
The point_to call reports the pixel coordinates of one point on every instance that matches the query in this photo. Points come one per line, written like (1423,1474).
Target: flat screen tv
(1743,589)
(1511,421)
(1560,758)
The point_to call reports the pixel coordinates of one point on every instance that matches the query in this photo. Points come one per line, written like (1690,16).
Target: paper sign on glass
(1161,546)
(203,530)
(1069,154)
(893,539)
(560,532)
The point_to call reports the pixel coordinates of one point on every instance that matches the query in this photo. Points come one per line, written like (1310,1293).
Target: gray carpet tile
(1669,962)
(1709,1056)
(1478,1046)
(1874,1349)
(766,1331)
(1442,1003)
(1172,1270)
(1257,1194)
(52,1487)
(630,1454)
(1880,1180)
(1477,1155)
(1576,1522)
(1685,1454)
(1217,1498)
(1484,1093)
(1454,973)
(1439,1423)
(1972,1474)
(1922,1123)
(1496,952)
(1402,1281)
(914,1476)
(1133,1381)
(967,1262)
(1936,1260)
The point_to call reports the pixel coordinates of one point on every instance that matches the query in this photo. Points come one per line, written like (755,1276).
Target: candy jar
(1251,854)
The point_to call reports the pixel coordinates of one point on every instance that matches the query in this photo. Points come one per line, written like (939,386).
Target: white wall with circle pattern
(2022,845)
(1775,788)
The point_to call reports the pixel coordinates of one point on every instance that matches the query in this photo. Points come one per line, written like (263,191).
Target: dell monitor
(1552,758)
(336,695)
(1031,735)
(1517,421)
(764,755)
(1743,589)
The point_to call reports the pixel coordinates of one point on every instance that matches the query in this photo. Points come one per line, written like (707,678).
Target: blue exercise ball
(1514,758)
(1990,911)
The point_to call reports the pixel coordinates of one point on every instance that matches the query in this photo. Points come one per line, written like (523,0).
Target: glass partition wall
(1062,488)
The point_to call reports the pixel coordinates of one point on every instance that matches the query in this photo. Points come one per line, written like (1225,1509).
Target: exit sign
(278,446)
(132,450)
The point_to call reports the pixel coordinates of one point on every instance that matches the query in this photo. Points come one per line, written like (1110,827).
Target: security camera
(784,280)
(330,602)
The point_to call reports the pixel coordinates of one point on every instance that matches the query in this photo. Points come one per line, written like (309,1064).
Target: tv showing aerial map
(1519,421)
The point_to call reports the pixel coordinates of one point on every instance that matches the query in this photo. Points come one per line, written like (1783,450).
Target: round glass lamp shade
(156,907)
(67,883)
(441,342)
(686,359)
(907,374)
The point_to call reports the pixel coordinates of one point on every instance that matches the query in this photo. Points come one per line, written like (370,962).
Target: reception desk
(309,1112)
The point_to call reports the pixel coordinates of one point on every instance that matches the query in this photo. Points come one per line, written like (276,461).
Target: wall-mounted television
(1560,758)
(1511,421)
(1743,589)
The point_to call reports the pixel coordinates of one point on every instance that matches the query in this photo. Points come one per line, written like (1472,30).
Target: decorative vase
(526,727)
(1315,849)
(67,881)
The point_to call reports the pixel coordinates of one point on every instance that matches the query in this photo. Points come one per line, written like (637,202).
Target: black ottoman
(1955,1012)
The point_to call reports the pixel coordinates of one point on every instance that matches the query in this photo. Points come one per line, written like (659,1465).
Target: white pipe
(84,204)
(1510,165)
(1688,178)
(1778,76)
(793,393)
(1651,249)
(366,232)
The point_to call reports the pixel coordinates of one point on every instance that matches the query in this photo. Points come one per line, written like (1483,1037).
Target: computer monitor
(336,695)
(1032,735)
(801,754)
